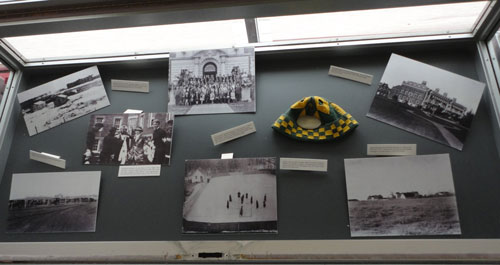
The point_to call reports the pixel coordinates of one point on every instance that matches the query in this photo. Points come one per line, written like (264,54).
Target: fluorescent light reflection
(14,2)
(130,41)
(387,22)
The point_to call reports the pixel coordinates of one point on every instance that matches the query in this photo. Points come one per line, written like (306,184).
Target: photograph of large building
(420,95)
(426,100)
(212,81)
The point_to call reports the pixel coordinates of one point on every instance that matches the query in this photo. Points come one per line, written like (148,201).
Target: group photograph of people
(209,89)
(212,81)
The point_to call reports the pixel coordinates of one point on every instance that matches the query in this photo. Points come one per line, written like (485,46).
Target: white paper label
(233,133)
(132,111)
(351,75)
(139,171)
(226,156)
(49,159)
(391,149)
(130,86)
(304,164)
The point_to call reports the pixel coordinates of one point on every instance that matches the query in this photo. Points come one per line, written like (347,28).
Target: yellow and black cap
(335,122)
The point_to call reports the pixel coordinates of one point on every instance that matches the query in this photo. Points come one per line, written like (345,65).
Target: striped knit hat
(335,122)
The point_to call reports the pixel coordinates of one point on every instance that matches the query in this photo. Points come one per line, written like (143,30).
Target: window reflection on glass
(363,24)
(130,41)
(495,44)
(494,49)
(4,77)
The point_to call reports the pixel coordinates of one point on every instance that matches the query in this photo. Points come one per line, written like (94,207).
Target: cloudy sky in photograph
(57,84)
(426,174)
(53,183)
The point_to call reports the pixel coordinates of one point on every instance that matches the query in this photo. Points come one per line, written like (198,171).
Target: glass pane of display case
(5,76)
(5,73)
(494,49)
(377,23)
(130,41)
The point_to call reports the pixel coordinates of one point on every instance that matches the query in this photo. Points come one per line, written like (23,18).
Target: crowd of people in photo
(244,198)
(129,147)
(211,89)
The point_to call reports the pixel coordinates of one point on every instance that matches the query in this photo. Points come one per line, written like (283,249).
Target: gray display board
(310,205)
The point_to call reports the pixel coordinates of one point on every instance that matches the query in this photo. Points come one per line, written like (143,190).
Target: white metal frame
(471,251)
(7,107)
(6,101)
(490,67)
(488,59)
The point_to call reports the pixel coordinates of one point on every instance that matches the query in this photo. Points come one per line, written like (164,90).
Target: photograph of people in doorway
(129,139)
(212,81)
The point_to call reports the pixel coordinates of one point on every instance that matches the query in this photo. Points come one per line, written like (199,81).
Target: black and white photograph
(401,196)
(212,81)
(62,100)
(54,202)
(129,139)
(230,196)
(425,100)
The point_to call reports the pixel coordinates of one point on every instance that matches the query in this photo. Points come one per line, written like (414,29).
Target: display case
(140,220)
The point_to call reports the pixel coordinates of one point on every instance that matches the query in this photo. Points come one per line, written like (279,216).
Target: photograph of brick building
(426,100)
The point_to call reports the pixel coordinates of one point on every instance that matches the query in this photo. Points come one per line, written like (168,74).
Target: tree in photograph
(467,119)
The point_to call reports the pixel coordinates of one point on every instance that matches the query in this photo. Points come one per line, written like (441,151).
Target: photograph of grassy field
(77,217)
(424,216)
(401,196)
(53,202)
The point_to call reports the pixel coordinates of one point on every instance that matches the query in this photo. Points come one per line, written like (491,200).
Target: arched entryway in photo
(210,70)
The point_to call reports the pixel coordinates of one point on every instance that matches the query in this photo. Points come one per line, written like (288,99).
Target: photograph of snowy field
(61,100)
(230,195)
(53,202)
(401,196)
